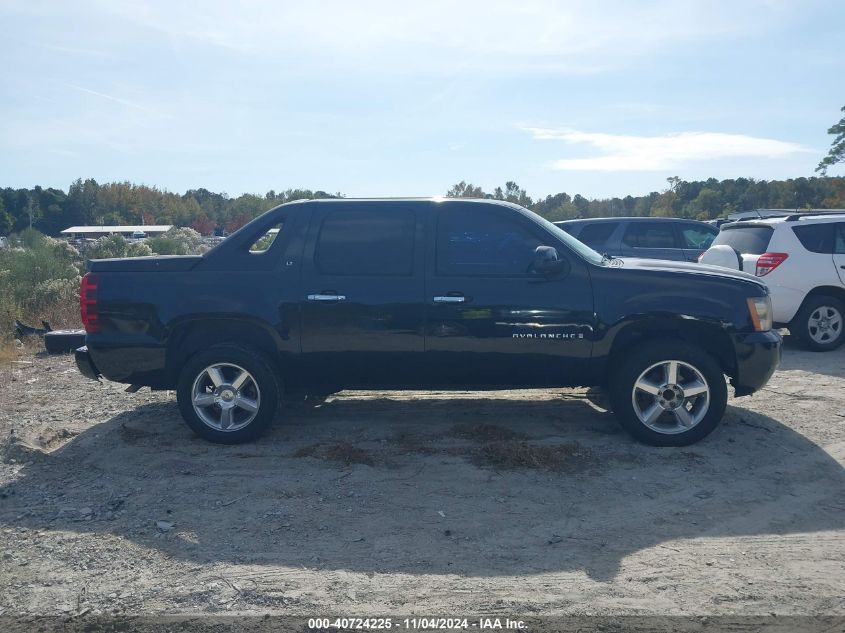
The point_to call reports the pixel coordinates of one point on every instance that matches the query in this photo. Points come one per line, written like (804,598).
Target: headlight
(760,309)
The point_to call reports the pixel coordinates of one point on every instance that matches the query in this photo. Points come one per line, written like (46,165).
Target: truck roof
(436,199)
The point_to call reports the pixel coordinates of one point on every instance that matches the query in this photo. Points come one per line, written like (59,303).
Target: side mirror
(547,261)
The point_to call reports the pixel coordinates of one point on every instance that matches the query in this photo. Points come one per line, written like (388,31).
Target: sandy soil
(526,502)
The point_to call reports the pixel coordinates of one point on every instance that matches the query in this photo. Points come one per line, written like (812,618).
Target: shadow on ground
(421,492)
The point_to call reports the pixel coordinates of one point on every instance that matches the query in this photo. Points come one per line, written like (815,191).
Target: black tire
(638,360)
(63,341)
(800,327)
(262,387)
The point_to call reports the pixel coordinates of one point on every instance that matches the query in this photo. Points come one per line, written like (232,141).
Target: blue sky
(390,98)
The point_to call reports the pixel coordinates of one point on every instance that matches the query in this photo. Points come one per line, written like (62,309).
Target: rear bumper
(85,363)
(757,358)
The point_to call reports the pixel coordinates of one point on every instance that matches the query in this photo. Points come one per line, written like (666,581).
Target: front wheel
(668,393)
(228,394)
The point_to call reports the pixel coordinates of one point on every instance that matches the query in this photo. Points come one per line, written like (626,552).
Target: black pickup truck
(317,296)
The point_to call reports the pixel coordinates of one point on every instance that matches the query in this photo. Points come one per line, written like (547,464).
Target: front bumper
(85,363)
(757,357)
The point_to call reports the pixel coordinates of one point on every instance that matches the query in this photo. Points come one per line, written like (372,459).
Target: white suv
(802,258)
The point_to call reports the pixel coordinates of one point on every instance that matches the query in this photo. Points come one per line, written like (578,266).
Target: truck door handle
(326,297)
(450,299)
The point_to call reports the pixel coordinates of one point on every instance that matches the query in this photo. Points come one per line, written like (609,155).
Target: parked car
(651,238)
(801,258)
(415,294)
(138,235)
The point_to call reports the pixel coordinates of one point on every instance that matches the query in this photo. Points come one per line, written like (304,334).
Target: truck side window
(263,243)
(481,242)
(366,242)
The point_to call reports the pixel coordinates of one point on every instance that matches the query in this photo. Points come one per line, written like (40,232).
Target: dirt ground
(524,502)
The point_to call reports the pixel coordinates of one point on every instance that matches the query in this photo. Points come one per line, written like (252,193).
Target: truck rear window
(748,240)
(366,242)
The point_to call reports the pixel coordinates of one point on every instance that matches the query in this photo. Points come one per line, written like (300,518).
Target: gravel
(387,502)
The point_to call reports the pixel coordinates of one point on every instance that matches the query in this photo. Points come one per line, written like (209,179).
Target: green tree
(707,205)
(5,219)
(582,205)
(837,147)
(514,193)
(465,190)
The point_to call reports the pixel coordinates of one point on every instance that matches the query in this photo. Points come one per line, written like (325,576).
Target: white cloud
(621,152)
(575,37)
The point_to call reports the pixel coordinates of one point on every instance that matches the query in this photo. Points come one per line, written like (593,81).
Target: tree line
(87,202)
(699,199)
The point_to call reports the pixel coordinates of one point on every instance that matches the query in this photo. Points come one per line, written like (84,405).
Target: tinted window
(817,238)
(839,246)
(749,240)
(649,235)
(698,237)
(482,242)
(263,243)
(366,242)
(566,226)
(596,235)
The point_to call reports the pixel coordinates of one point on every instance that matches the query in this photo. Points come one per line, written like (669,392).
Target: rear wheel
(820,323)
(668,393)
(228,394)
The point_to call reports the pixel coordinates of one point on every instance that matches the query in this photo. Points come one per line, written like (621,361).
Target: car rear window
(748,240)
(596,235)
(817,238)
(698,237)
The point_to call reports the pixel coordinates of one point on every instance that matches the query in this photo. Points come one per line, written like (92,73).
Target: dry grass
(409,442)
(342,452)
(8,354)
(519,454)
(63,315)
(492,447)
(485,433)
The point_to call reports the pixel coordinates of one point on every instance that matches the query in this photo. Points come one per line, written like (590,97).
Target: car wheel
(668,393)
(820,323)
(228,394)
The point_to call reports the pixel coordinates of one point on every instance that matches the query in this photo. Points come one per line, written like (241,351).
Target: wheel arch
(194,335)
(822,291)
(711,337)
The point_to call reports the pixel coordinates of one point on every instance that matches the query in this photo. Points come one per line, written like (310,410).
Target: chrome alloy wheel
(825,324)
(225,397)
(671,397)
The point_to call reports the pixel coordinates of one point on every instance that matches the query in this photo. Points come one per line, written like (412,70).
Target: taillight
(767,262)
(88,303)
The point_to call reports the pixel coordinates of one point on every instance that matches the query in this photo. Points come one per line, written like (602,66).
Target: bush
(39,278)
(116,246)
(178,241)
